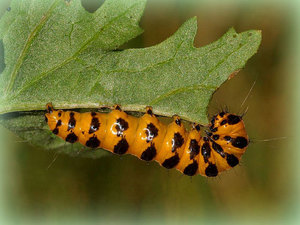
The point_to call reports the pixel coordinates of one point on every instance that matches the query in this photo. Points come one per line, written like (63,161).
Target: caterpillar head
(231,127)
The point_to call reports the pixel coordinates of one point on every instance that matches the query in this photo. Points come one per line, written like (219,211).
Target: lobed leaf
(57,52)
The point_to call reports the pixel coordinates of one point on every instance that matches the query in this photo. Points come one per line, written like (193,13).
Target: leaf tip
(191,22)
(232,30)
(255,36)
(188,30)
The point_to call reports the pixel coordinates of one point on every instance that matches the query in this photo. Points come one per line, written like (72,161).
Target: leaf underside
(57,52)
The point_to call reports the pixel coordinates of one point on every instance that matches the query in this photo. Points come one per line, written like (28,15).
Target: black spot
(221,114)
(121,126)
(93,142)
(232,160)
(71,138)
(205,138)
(205,151)
(239,142)
(55,131)
(194,148)
(94,125)
(178,122)
(177,141)
(197,127)
(72,121)
(46,119)
(213,129)
(58,123)
(93,114)
(215,137)
(213,121)
(171,162)
(191,169)
(151,132)
(227,138)
(211,170)
(59,114)
(8,8)
(122,147)
(82,132)
(149,153)
(233,119)
(223,122)
(218,149)
(208,133)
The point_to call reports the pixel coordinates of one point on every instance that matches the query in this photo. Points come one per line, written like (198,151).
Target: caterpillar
(220,149)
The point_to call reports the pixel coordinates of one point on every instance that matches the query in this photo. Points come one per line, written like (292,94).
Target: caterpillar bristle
(220,149)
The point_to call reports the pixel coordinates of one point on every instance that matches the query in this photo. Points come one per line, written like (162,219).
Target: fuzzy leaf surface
(57,52)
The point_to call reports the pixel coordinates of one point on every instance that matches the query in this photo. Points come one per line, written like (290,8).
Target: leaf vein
(180,90)
(28,42)
(42,75)
(201,85)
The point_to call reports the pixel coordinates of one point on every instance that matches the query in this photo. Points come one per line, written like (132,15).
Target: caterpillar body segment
(149,139)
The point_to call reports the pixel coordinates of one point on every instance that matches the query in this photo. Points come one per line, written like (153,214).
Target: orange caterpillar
(149,139)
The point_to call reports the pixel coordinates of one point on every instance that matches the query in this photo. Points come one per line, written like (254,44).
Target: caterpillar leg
(49,107)
(177,120)
(117,107)
(196,126)
(149,110)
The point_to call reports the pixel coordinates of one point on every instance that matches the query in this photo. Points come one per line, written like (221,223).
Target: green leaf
(31,127)
(57,52)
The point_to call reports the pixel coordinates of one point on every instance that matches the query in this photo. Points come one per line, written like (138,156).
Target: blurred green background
(263,189)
